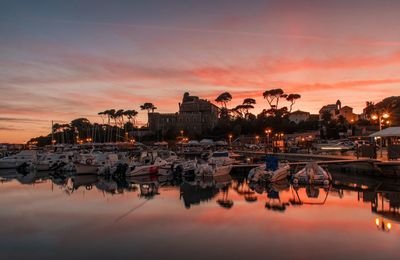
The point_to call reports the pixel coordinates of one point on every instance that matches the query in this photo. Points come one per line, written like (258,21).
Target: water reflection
(226,191)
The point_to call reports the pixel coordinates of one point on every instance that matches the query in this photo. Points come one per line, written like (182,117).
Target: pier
(350,164)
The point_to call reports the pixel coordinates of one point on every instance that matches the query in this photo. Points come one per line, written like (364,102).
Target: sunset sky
(60,60)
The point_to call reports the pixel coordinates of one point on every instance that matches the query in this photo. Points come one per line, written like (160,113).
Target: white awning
(387,132)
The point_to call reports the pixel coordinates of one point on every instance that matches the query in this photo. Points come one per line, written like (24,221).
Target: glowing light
(385,115)
(389,225)
(374,117)
(377,222)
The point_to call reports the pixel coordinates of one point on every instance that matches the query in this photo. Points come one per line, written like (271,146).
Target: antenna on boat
(52,132)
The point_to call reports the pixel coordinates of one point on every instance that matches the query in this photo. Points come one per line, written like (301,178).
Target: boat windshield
(220,154)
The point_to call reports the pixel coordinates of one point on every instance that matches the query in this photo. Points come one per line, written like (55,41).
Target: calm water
(45,216)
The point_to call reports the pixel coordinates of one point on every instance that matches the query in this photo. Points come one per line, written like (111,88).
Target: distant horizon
(69,59)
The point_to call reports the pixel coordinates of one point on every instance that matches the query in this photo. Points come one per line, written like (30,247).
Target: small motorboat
(15,161)
(273,171)
(214,170)
(312,174)
(220,158)
(95,163)
(159,166)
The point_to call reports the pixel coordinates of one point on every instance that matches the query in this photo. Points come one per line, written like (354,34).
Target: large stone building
(195,116)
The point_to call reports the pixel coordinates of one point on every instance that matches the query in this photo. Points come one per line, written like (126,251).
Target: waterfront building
(337,110)
(298,116)
(195,116)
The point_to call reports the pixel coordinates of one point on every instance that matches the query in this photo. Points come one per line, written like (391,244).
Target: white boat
(15,161)
(261,173)
(95,163)
(204,170)
(159,166)
(312,174)
(143,170)
(185,167)
(221,158)
(50,161)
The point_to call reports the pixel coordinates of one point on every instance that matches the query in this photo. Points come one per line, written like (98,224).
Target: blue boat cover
(271,163)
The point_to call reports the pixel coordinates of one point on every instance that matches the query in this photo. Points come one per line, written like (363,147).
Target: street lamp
(257,139)
(380,117)
(230,140)
(267,132)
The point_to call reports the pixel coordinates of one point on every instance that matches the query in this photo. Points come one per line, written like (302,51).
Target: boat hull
(81,168)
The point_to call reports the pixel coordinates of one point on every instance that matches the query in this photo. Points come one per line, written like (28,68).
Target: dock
(374,167)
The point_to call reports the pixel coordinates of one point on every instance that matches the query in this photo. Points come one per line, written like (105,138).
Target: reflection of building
(298,116)
(195,116)
(337,110)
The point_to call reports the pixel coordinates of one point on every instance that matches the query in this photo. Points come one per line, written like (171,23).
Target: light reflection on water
(49,215)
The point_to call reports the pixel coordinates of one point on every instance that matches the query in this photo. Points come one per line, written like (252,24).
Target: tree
(249,101)
(369,109)
(149,107)
(274,95)
(292,99)
(101,114)
(248,104)
(119,117)
(240,110)
(224,98)
(326,116)
(391,106)
(82,125)
(111,115)
(131,115)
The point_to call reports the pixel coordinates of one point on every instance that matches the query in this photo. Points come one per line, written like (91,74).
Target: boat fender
(89,161)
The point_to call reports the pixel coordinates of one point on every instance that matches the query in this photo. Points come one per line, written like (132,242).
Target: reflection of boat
(312,193)
(197,191)
(8,174)
(222,181)
(84,180)
(274,201)
(225,202)
(312,174)
(33,177)
(107,185)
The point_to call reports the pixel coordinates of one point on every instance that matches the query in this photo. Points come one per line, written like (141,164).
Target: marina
(186,129)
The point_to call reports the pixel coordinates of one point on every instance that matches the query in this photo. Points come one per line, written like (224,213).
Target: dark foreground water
(50,216)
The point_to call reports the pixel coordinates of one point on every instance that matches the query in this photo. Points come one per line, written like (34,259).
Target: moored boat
(273,171)
(312,174)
